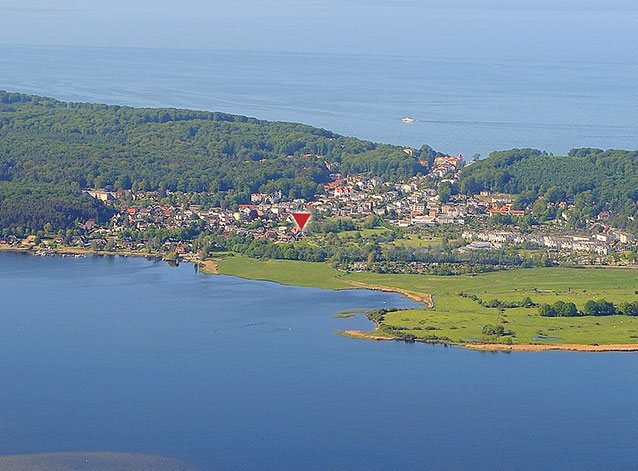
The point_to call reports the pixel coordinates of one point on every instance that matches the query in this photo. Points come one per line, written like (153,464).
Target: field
(412,240)
(363,232)
(309,274)
(456,319)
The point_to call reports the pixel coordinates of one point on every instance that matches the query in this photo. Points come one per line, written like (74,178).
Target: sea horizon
(584,105)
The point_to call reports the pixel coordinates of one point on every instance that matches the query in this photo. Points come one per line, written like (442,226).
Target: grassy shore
(454,319)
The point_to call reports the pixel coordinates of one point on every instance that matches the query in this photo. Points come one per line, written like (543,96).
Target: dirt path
(360,334)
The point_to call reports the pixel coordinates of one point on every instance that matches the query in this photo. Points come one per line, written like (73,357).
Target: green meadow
(458,319)
(309,274)
(412,240)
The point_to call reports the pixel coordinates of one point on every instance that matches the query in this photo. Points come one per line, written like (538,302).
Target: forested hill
(46,141)
(592,179)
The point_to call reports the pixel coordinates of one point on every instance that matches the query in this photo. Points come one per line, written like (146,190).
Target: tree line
(592,307)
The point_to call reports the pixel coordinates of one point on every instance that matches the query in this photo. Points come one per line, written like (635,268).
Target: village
(416,205)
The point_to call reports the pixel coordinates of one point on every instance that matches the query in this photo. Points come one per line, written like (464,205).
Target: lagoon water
(460,105)
(131,356)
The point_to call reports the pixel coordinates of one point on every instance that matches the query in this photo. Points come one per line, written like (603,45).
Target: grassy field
(412,240)
(458,319)
(363,232)
(309,274)
(461,319)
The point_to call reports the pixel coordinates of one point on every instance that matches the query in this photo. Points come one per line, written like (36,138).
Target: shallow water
(132,356)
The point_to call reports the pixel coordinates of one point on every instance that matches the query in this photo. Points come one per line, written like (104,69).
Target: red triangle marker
(301,219)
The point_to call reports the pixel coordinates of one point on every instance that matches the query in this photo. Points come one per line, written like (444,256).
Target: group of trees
(562,308)
(496,331)
(591,308)
(442,255)
(592,179)
(559,309)
(27,208)
(333,226)
(497,303)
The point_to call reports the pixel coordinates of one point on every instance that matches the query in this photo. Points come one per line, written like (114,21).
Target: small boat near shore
(408,119)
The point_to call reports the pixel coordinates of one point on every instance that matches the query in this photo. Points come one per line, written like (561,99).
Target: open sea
(460,106)
(109,358)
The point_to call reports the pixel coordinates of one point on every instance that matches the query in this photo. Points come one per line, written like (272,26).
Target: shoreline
(488,347)
(424,298)
(377,335)
(79,251)
(210,267)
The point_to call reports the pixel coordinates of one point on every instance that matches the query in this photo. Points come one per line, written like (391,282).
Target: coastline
(377,335)
(210,267)
(424,298)
(488,347)
(79,251)
(360,334)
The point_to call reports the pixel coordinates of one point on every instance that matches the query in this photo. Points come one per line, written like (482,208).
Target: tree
(370,222)
(497,330)
(547,311)
(445,192)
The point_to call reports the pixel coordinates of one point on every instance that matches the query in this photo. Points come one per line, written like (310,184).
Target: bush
(497,330)
(630,309)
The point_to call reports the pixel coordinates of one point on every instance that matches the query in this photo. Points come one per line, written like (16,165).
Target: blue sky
(538,29)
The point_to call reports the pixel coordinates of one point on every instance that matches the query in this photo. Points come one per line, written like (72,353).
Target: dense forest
(47,141)
(592,179)
(25,207)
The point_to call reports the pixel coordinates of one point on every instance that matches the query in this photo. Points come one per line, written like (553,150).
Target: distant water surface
(135,360)
(467,106)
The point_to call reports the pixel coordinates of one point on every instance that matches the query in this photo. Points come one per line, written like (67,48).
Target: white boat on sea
(408,119)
